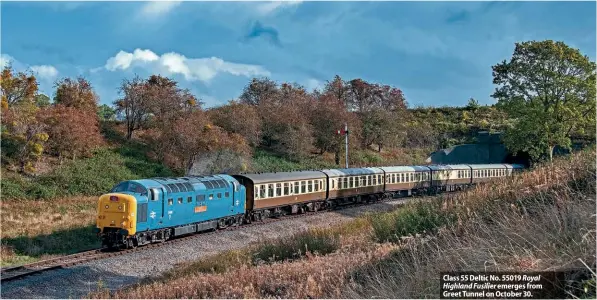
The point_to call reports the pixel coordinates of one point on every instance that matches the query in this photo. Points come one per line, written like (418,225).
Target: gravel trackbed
(116,272)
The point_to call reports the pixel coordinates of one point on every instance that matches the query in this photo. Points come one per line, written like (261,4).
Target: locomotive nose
(116,211)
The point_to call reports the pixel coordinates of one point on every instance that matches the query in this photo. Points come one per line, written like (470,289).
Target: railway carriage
(274,194)
(352,184)
(139,212)
(450,177)
(404,180)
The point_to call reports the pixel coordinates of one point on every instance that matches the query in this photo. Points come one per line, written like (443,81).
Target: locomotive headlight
(120,207)
(107,206)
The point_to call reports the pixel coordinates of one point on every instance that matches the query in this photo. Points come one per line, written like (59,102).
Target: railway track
(19,272)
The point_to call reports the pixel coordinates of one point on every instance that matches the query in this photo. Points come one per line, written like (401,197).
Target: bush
(413,218)
(319,242)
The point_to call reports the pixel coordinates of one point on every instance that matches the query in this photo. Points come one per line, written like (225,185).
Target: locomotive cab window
(153,195)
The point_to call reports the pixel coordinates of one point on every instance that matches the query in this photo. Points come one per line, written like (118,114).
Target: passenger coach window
(270,190)
(297,188)
(286,191)
(278,189)
(309,186)
(262,192)
(317,185)
(303,187)
(256,188)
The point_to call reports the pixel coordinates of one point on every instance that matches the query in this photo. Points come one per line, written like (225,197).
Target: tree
(238,118)
(258,90)
(193,136)
(23,133)
(77,94)
(16,87)
(133,105)
(106,113)
(549,88)
(42,100)
(73,132)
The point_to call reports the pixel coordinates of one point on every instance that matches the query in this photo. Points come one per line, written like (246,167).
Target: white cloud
(45,71)
(311,84)
(203,69)
(4,60)
(272,6)
(157,8)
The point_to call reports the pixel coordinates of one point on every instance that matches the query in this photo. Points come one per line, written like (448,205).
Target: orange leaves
(76,93)
(17,87)
(73,132)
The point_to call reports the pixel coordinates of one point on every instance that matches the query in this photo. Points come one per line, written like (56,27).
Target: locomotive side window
(189,199)
(200,198)
(211,197)
(219,195)
(179,200)
(226,194)
(153,195)
(170,201)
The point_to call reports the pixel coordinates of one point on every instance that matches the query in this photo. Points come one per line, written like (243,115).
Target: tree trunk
(551,148)
(129,134)
(337,157)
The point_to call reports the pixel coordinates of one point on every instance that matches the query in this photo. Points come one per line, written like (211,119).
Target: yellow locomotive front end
(116,219)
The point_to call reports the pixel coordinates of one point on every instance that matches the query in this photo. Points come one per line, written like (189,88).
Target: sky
(438,53)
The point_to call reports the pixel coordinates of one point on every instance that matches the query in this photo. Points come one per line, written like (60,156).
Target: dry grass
(549,224)
(541,220)
(33,230)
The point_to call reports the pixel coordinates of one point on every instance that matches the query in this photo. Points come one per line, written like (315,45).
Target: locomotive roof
(405,168)
(188,183)
(352,171)
(283,176)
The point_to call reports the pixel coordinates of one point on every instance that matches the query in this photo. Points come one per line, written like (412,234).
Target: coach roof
(394,169)
(283,176)
(352,172)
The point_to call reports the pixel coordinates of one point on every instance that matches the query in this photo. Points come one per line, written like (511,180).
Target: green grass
(84,177)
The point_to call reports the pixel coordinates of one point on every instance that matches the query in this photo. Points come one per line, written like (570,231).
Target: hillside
(542,219)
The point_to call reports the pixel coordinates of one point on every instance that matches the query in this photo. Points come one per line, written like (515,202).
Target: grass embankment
(33,230)
(540,220)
